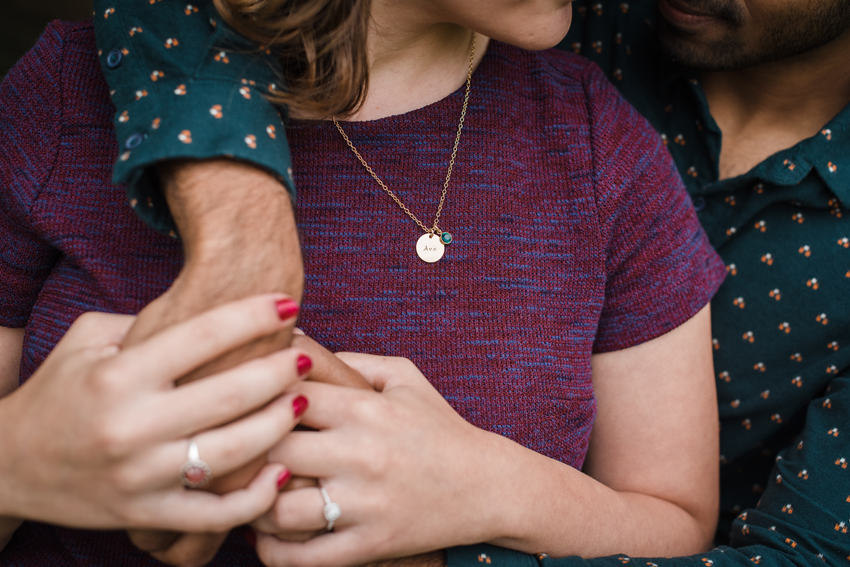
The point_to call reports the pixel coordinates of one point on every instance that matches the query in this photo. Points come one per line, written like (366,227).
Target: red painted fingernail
(286,309)
(305,363)
(283,478)
(251,536)
(299,405)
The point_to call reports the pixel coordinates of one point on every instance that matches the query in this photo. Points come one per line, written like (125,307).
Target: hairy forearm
(237,221)
(560,511)
(238,231)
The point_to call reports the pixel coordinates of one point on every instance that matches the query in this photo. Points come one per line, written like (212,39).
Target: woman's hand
(197,549)
(389,459)
(95,438)
(410,475)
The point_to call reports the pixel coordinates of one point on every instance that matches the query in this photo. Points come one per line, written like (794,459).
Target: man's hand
(239,236)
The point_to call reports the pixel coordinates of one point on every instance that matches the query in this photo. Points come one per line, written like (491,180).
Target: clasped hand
(97,434)
(95,437)
(404,467)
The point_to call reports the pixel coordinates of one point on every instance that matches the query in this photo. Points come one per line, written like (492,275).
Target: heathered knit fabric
(573,235)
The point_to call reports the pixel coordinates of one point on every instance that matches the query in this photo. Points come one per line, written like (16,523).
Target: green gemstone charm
(446,238)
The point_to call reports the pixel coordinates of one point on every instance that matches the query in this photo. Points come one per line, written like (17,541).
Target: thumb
(98,330)
(385,372)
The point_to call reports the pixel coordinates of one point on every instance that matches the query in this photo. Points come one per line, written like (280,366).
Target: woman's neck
(414,59)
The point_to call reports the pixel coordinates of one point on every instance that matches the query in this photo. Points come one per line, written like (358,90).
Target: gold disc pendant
(429,248)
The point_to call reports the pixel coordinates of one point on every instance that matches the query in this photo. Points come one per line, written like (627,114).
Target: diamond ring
(331,510)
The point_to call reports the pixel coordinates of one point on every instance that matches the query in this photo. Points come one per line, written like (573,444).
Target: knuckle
(112,439)
(210,332)
(374,459)
(107,379)
(361,407)
(234,402)
(280,514)
(129,479)
(230,453)
(275,371)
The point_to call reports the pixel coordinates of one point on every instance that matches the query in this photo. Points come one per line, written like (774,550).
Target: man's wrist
(238,228)
(221,206)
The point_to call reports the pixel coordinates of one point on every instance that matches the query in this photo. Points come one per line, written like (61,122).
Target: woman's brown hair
(321,45)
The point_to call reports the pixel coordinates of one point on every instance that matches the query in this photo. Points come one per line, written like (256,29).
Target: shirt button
(699,203)
(134,141)
(113,60)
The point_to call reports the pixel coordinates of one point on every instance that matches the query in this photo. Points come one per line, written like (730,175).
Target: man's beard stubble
(788,31)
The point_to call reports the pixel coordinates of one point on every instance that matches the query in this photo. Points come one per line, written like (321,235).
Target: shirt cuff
(204,119)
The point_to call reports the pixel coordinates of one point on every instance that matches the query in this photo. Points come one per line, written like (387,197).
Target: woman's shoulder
(563,86)
(554,67)
(60,36)
(65,60)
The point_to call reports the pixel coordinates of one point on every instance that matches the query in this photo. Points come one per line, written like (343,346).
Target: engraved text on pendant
(429,248)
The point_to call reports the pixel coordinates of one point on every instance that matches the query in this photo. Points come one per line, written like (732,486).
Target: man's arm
(240,239)
(189,98)
(800,521)
(190,117)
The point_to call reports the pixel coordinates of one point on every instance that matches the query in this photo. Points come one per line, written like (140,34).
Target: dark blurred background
(22,21)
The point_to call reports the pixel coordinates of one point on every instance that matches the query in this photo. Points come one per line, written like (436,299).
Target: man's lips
(679,14)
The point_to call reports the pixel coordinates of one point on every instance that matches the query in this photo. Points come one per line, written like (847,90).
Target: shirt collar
(827,152)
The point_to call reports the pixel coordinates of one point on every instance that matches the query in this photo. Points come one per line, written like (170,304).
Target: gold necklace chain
(435,228)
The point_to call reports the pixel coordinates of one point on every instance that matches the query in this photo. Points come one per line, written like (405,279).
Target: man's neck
(765,109)
(414,59)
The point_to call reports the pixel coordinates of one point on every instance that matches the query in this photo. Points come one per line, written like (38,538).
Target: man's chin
(693,49)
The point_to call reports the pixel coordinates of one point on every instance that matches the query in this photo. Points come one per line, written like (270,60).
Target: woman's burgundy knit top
(573,235)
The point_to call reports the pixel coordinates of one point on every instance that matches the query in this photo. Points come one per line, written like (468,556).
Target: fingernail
(299,405)
(283,478)
(286,309)
(304,364)
(251,536)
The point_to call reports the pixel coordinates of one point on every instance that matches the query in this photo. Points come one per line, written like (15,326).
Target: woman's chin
(537,37)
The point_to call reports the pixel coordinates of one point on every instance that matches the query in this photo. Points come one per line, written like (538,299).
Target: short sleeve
(30,133)
(660,268)
(185,86)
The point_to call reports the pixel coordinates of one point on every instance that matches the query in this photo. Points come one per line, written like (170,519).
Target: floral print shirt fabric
(185,85)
